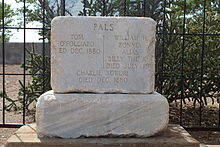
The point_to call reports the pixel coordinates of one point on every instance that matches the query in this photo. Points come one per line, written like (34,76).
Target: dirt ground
(190,114)
(12,87)
(190,117)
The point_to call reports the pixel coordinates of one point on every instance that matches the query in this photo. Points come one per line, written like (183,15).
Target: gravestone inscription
(113,57)
(103,54)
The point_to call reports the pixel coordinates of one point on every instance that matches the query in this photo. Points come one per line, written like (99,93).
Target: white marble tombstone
(103,54)
(102,80)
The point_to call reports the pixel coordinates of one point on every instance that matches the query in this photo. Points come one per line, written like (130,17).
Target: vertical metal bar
(144,8)
(95,8)
(163,47)
(104,8)
(3,59)
(182,62)
(219,113)
(84,7)
(125,7)
(44,44)
(202,61)
(62,3)
(24,71)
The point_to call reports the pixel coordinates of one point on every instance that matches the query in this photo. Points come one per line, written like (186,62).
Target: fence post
(62,3)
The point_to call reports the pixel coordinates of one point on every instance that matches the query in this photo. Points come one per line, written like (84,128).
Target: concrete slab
(173,136)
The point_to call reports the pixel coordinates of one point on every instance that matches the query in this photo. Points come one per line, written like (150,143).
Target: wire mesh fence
(187,51)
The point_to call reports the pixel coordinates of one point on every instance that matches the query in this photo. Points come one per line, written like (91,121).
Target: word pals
(103,27)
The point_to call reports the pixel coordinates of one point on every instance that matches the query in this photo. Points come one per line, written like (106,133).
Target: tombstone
(102,76)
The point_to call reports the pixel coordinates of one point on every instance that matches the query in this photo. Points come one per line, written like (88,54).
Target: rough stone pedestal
(74,115)
(173,136)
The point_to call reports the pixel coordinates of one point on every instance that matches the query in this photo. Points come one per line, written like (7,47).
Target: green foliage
(12,103)
(116,8)
(96,8)
(39,69)
(198,57)
(8,14)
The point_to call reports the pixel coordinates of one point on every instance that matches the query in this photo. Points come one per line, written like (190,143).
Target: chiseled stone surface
(103,54)
(75,115)
(173,136)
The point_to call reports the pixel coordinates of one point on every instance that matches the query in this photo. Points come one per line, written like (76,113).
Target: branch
(68,12)
(45,5)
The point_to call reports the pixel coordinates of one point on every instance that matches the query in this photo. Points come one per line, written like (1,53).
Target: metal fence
(189,77)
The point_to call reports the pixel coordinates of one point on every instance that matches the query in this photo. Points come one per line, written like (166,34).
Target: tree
(102,7)
(43,11)
(8,14)
(152,9)
(198,57)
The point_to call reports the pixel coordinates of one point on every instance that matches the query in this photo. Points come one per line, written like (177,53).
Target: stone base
(173,136)
(91,115)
